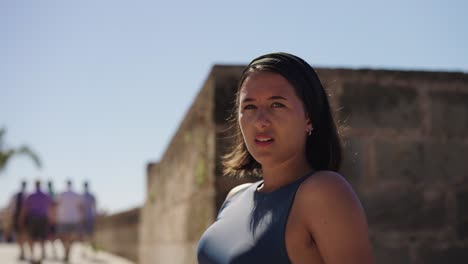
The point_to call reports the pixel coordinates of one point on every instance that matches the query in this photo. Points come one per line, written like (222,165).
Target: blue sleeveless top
(250,227)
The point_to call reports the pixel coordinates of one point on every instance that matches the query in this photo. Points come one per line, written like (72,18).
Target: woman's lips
(263,140)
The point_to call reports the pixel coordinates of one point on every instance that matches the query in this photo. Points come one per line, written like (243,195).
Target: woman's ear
(309,127)
(309,124)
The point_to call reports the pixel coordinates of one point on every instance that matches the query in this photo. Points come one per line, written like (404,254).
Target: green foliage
(187,137)
(7,154)
(151,197)
(201,172)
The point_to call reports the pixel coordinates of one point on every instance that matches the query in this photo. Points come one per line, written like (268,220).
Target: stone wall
(119,233)
(407,153)
(180,192)
(406,146)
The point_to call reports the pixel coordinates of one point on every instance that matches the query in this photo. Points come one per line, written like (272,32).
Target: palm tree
(7,154)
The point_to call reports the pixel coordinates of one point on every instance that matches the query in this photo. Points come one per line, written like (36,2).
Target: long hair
(323,147)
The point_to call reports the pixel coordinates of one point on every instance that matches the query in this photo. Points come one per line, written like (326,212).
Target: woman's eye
(250,106)
(277,105)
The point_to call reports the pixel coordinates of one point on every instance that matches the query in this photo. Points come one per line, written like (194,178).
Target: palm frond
(27,151)
(2,133)
(6,154)
(4,157)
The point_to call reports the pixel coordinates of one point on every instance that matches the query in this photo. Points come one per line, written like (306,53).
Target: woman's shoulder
(332,213)
(324,179)
(325,187)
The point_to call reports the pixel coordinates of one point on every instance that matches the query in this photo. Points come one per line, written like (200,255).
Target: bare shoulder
(237,189)
(325,185)
(333,215)
(326,196)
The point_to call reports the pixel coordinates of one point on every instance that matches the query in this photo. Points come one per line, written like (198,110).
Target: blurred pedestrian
(89,217)
(16,228)
(52,234)
(69,217)
(34,215)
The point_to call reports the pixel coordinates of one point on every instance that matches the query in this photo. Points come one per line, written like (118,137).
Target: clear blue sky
(98,88)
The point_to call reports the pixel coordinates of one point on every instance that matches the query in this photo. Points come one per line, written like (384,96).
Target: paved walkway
(79,255)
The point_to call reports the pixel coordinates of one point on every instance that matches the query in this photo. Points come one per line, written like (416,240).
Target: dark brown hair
(323,147)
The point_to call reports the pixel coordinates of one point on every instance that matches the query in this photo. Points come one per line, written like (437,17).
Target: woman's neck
(278,175)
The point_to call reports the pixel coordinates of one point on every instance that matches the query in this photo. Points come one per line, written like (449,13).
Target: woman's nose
(262,118)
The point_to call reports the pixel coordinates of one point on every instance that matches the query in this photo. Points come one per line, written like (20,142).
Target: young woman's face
(272,119)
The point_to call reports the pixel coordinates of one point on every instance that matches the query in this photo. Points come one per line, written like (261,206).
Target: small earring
(309,131)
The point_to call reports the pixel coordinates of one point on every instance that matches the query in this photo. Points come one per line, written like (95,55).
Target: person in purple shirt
(34,217)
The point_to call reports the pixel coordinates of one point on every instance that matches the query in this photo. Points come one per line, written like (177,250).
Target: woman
(302,211)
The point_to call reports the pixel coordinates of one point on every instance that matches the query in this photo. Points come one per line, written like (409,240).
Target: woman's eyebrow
(277,97)
(247,100)
(274,97)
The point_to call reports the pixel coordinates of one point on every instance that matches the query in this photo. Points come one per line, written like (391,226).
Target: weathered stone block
(170,223)
(446,161)
(453,254)
(462,214)
(173,252)
(225,98)
(421,161)
(404,211)
(377,106)
(449,113)
(352,166)
(384,255)
(404,161)
(125,242)
(200,216)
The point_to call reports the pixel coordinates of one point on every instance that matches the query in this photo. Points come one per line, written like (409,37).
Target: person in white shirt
(69,217)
